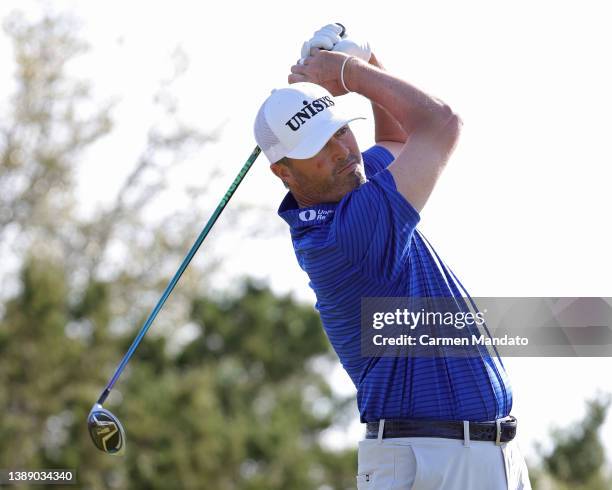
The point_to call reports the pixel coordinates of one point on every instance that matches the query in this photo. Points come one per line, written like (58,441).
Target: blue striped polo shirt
(367,245)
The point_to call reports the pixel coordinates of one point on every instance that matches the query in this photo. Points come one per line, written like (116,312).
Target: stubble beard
(341,184)
(336,186)
(353,179)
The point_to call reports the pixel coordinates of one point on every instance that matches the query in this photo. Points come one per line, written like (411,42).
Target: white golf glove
(328,37)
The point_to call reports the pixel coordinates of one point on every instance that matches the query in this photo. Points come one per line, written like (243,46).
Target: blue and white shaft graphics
(228,195)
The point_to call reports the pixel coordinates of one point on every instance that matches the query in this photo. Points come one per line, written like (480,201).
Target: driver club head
(106,431)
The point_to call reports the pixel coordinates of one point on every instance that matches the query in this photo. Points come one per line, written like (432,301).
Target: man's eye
(342,131)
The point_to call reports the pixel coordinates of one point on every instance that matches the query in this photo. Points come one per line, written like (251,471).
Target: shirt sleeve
(374,226)
(375,159)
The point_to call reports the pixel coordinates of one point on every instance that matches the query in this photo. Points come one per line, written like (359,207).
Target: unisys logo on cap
(310,109)
(297,121)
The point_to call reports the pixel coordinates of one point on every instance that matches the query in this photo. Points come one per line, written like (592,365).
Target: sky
(523,206)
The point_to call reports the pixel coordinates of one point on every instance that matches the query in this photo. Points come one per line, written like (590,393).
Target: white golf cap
(298,121)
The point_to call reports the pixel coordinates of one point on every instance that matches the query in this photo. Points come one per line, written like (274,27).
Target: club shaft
(228,195)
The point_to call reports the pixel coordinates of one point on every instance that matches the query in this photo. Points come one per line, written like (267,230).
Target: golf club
(105,429)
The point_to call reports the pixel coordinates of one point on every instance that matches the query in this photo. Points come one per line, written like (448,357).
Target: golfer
(431,422)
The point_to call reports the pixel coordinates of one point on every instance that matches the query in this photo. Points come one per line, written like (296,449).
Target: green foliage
(577,460)
(235,412)
(232,410)
(47,130)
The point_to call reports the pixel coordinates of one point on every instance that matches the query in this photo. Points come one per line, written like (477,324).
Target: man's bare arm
(387,131)
(431,124)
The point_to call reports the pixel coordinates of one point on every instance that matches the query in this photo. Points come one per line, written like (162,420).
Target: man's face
(328,176)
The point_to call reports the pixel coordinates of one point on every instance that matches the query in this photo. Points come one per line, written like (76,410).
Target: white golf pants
(430,463)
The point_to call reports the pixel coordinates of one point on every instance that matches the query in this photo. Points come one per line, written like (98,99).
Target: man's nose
(340,150)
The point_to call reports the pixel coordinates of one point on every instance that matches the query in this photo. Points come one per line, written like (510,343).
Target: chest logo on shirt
(319,214)
(308,215)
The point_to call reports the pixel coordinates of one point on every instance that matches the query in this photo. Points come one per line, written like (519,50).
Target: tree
(238,404)
(577,459)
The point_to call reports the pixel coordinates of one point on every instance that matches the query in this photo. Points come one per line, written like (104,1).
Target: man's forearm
(386,127)
(409,106)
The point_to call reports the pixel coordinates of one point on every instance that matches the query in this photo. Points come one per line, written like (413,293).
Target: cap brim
(314,142)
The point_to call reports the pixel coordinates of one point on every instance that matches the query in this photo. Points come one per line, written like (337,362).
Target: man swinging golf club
(432,422)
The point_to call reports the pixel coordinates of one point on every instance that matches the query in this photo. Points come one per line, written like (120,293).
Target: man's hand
(329,38)
(325,38)
(352,47)
(322,68)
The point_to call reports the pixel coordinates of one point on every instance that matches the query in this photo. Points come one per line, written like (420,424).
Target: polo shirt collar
(298,217)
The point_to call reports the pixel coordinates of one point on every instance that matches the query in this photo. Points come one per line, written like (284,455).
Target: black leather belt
(502,430)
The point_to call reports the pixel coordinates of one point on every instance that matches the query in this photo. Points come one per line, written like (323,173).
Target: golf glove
(328,37)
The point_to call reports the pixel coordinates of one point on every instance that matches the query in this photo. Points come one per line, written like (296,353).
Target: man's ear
(282,172)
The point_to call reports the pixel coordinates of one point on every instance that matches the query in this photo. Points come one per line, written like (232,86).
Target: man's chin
(357,179)
(360,175)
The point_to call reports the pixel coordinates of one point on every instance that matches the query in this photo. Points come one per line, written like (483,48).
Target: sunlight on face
(331,174)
